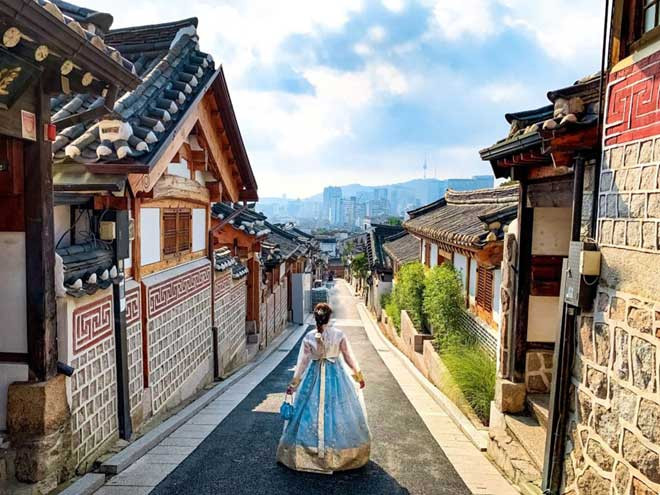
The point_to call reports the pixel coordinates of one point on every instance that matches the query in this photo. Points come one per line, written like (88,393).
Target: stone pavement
(229,447)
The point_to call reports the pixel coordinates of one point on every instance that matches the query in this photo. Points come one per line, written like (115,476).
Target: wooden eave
(39,24)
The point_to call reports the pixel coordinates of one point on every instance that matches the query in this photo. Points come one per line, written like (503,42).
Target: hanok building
(43,53)
(401,249)
(134,177)
(379,280)
(466,229)
(552,152)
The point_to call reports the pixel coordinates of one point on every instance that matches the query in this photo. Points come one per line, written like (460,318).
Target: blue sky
(336,92)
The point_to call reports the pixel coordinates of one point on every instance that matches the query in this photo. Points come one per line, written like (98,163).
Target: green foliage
(385,298)
(360,266)
(443,300)
(473,370)
(394,221)
(394,312)
(408,293)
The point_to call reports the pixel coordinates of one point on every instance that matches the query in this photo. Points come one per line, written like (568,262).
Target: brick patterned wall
(93,384)
(230,312)
(135,369)
(179,331)
(270,317)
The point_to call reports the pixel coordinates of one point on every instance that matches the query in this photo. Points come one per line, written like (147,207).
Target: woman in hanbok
(328,429)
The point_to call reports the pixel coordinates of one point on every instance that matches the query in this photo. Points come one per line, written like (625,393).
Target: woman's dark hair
(322,313)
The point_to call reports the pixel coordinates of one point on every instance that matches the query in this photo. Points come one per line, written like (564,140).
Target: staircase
(518,446)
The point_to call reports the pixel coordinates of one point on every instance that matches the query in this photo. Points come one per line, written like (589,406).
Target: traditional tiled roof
(458,218)
(239,270)
(174,72)
(245,219)
(85,16)
(223,259)
(403,248)
(572,107)
(87,267)
(377,236)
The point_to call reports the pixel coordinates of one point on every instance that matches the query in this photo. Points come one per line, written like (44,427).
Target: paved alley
(233,450)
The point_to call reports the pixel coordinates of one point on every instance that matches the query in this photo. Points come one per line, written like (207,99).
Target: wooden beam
(145,182)
(546,172)
(110,203)
(175,187)
(209,130)
(137,244)
(39,258)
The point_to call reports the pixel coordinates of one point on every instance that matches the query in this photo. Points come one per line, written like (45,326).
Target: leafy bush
(443,301)
(473,370)
(408,292)
(394,312)
(385,299)
(360,266)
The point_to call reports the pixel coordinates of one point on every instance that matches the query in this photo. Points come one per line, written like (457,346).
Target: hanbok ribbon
(321,416)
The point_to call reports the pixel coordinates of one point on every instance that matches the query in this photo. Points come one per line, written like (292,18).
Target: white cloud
(464,18)
(376,33)
(505,92)
(394,5)
(362,49)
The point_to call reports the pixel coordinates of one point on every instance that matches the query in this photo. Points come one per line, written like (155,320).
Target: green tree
(360,266)
(443,301)
(394,221)
(409,292)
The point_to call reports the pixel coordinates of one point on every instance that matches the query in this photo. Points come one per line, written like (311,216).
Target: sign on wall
(16,75)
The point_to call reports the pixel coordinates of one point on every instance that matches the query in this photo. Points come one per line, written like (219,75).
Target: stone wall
(179,332)
(90,350)
(135,369)
(538,371)
(230,312)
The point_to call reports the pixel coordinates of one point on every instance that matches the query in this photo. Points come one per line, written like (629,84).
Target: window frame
(484,291)
(179,235)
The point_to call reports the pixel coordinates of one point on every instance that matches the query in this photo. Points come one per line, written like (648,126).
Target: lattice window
(176,231)
(485,289)
(650,14)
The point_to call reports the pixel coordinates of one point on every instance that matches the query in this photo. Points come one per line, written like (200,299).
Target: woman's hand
(362,384)
(289,390)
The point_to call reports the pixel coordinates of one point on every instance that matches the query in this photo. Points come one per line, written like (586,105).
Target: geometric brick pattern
(172,292)
(134,334)
(230,313)
(92,323)
(614,430)
(93,397)
(179,337)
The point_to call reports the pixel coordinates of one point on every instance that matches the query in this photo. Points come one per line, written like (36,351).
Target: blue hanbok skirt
(328,431)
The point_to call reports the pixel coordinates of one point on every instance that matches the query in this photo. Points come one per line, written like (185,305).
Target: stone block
(602,343)
(509,396)
(646,152)
(597,382)
(649,235)
(623,402)
(653,208)
(620,362)
(599,455)
(618,309)
(632,179)
(648,181)
(619,234)
(631,155)
(623,206)
(640,488)
(616,158)
(621,478)
(606,228)
(606,180)
(640,457)
(640,319)
(611,206)
(593,483)
(648,420)
(606,423)
(637,206)
(643,364)
(634,234)
(586,341)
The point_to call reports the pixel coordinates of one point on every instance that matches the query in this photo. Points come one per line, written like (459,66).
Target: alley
(238,456)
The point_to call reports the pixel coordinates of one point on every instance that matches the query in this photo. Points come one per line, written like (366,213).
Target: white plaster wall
(13,305)
(199,177)
(497,282)
(551,234)
(62,223)
(542,319)
(198,229)
(423,252)
(473,281)
(150,235)
(434,255)
(460,263)
(9,373)
(179,169)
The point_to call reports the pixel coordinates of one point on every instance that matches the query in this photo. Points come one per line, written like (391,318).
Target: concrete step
(529,434)
(253,338)
(538,406)
(513,460)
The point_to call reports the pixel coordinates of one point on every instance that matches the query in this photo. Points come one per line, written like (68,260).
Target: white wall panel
(150,235)
(198,229)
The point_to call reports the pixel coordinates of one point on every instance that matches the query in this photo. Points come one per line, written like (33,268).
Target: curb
(86,485)
(120,461)
(478,437)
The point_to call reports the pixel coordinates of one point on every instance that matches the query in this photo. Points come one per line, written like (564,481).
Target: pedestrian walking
(326,428)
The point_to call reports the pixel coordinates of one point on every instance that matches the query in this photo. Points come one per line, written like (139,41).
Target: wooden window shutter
(484,292)
(169,232)
(184,230)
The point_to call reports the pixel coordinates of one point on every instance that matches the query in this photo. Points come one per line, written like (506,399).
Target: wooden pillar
(40,249)
(525,225)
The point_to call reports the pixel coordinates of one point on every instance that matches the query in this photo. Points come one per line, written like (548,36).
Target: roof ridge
(502,194)
(155,27)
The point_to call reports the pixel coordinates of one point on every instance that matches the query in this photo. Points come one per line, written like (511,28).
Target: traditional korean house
(379,281)
(137,167)
(552,152)
(402,248)
(466,229)
(44,52)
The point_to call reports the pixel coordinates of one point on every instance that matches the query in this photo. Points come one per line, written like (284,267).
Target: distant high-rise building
(332,204)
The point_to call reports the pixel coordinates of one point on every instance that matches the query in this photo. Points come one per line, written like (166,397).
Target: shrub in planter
(408,292)
(394,312)
(443,301)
